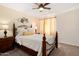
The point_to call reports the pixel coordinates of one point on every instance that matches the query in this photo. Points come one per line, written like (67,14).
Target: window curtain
(48,26)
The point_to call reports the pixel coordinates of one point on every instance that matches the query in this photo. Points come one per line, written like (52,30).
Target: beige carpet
(66,50)
(63,50)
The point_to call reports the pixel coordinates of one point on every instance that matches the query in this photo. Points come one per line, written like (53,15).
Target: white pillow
(30,29)
(21,30)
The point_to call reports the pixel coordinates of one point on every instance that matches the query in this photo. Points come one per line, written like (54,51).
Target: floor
(63,50)
(66,50)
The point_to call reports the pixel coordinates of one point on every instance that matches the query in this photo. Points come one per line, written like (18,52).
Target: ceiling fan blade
(41,5)
(46,4)
(34,8)
(37,4)
(47,8)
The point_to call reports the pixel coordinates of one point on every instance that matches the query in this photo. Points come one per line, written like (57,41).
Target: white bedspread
(33,41)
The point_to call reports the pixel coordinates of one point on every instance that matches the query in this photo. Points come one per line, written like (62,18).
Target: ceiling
(56,8)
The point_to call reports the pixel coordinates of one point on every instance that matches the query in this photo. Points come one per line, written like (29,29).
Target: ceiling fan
(42,6)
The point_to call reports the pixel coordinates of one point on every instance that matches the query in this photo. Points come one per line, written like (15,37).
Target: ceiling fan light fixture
(41,9)
(42,6)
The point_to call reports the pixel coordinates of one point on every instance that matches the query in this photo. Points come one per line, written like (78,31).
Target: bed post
(56,39)
(44,46)
(14,31)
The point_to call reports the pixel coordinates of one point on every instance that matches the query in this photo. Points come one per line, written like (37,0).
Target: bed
(36,44)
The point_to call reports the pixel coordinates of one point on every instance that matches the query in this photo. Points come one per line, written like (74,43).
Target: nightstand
(6,44)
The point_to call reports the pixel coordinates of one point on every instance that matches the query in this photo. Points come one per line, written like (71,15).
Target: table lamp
(5,28)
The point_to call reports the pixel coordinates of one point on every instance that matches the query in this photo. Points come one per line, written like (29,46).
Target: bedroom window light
(48,26)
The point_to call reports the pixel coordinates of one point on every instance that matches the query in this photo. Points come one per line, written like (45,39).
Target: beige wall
(9,16)
(68,27)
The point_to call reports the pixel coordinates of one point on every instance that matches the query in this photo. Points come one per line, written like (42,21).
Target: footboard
(44,51)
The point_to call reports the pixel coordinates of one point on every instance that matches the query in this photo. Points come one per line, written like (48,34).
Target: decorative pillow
(28,33)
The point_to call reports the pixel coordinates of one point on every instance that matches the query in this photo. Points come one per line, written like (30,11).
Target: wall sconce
(5,28)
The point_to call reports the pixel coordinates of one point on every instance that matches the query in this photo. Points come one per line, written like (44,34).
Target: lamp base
(5,32)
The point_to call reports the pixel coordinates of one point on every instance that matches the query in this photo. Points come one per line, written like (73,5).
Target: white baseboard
(77,45)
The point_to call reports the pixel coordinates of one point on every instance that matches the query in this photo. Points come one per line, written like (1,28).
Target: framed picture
(24,20)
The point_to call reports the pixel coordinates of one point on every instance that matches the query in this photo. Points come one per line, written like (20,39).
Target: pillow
(30,30)
(21,30)
(28,33)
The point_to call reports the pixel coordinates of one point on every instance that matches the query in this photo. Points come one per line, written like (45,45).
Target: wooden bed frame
(32,52)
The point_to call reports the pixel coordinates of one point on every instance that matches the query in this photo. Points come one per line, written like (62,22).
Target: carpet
(62,50)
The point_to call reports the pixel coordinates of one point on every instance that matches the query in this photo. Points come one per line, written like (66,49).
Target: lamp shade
(5,26)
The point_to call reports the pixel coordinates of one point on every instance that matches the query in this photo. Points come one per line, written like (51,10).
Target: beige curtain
(48,26)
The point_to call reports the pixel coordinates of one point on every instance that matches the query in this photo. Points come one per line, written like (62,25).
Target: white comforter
(33,41)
